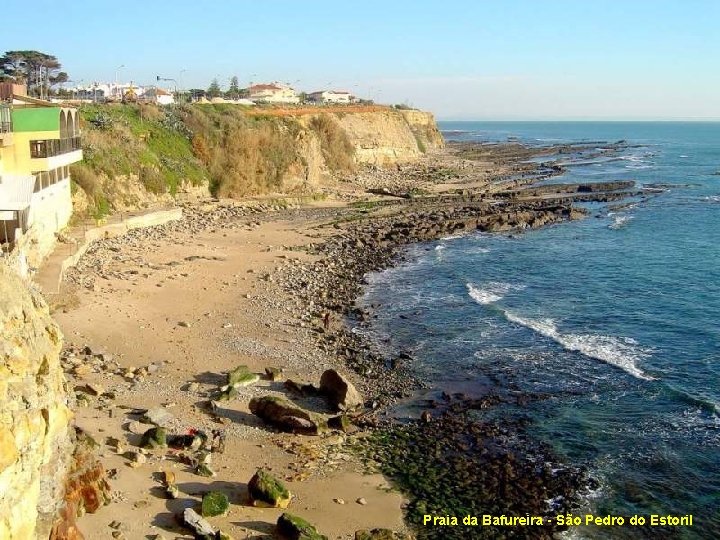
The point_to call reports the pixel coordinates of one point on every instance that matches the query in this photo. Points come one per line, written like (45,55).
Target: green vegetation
(336,147)
(218,145)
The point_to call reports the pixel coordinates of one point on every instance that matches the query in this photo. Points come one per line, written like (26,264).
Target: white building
(157,96)
(331,96)
(273,93)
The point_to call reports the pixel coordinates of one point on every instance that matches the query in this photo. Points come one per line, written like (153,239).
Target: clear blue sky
(507,59)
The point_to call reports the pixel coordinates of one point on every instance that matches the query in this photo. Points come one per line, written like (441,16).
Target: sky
(463,60)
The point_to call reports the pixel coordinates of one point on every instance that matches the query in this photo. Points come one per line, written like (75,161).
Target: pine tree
(214,89)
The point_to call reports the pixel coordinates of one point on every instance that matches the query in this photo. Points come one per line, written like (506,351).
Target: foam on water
(620,352)
(491,292)
(620,221)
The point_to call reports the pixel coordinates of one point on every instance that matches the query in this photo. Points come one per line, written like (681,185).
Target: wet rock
(267,491)
(291,527)
(340,391)
(215,503)
(287,416)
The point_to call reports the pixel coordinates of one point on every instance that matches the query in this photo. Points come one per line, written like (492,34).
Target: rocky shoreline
(449,462)
(478,466)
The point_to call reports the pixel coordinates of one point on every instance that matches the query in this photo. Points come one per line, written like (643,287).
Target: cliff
(142,155)
(35,442)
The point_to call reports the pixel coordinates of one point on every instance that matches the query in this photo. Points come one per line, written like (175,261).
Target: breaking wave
(491,292)
(620,352)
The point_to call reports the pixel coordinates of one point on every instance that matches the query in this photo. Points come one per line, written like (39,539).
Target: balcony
(53,147)
(53,153)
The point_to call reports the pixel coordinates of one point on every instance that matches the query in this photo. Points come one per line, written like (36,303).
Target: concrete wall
(50,211)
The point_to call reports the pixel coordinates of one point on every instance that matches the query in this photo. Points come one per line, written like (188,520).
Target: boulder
(214,504)
(287,416)
(266,491)
(340,390)
(292,527)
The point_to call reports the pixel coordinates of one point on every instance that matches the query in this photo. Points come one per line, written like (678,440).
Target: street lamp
(117,70)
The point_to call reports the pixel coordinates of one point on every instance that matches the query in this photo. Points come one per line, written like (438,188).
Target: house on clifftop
(273,93)
(331,96)
(39,141)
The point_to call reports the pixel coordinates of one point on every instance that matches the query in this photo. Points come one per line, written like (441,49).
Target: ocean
(614,319)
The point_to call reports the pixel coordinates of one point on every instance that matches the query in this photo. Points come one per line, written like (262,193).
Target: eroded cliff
(35,441)
(141,155)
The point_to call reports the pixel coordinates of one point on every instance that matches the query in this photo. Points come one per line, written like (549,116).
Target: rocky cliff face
(389,137)
(35,444)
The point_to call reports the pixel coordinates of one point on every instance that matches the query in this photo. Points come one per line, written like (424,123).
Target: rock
(241,376)
(138,428)
(287,416)
(203,470)
(229,392)
(193,387)
(136,457)
(168,478)
(361,501)
(200,528)
(214,504)
(91,388)
(172,491)
(273,373)
(426,417)
(292,527)
(340,391)
(381,534)
(340,422)
(339,501)
(154,438)
(267,491)
(158,416)
(184,324)
(302,389)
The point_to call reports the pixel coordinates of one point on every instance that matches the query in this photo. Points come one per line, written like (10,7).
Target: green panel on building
(36,119)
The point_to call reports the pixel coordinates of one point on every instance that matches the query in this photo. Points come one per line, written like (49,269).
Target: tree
(303,97)
(234,90)
(40,71)
(214,89)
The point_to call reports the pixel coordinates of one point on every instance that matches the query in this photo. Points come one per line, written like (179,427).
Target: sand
(136,321)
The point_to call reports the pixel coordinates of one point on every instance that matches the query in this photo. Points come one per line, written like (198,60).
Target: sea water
(614,320)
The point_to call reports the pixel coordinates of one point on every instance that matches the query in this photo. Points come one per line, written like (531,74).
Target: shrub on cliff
(337,150)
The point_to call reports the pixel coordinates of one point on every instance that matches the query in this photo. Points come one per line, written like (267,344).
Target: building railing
(54,147)
(5,127)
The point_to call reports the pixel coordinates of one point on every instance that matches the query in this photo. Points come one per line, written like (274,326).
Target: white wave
(620,352)
(491,292)
(682,156)
(439,247)
(619,222)
(712,198)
